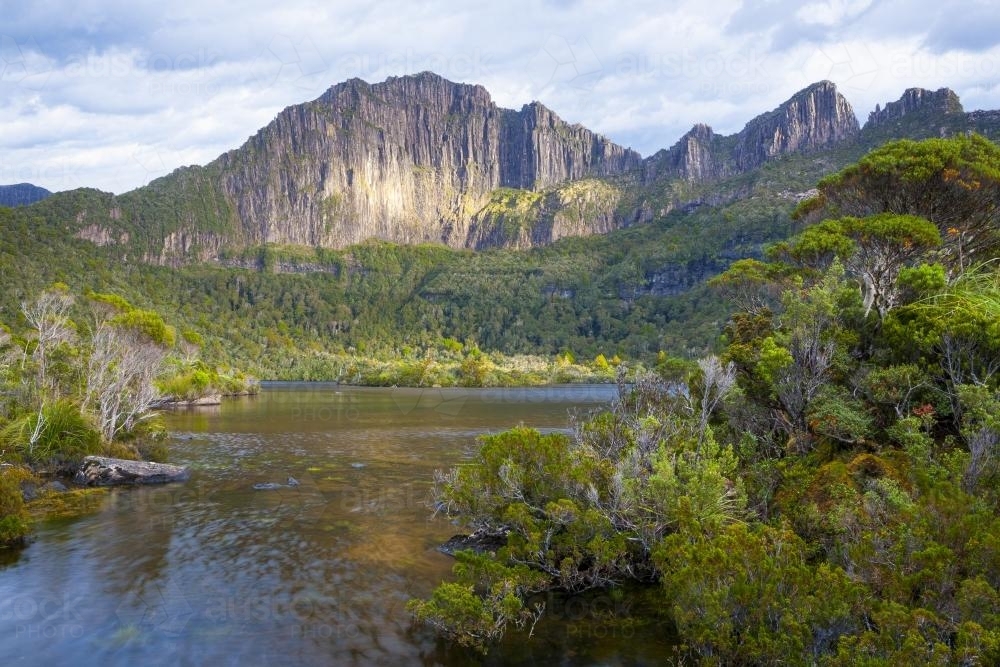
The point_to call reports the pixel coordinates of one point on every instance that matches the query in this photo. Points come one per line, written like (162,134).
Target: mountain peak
(825,87)
(692,156)
(815,117)
(914,100)
(416,87)
(21,194)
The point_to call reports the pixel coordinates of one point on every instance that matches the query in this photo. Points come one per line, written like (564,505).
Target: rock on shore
(481,541)
(104,471)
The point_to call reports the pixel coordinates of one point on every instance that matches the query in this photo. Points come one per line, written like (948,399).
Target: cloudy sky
(109,94)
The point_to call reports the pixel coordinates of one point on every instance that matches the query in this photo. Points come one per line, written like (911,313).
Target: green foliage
(695,488)
(487,597)
(58,434)
(146,323)
(952,182)
(114,301)
(14,519)
(187,386)
(750,596)
(836,415)
(191,380)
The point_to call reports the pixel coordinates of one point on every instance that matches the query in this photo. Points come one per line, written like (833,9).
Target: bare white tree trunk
(717,380)
(120,378)
(48,316)
(37,432)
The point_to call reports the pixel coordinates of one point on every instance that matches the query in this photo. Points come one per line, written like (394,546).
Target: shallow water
(215,572)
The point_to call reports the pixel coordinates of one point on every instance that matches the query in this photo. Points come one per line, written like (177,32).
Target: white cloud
(109,94)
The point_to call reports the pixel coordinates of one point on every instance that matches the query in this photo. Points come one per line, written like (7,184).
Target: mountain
(407,160)
(21,194)
(419,159)
(922,113)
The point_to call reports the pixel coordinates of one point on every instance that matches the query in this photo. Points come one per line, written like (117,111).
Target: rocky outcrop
(695,156)
(184,244)
(814,118)
(104,471)
(938,102)
(419,159)
(209,400)
(21,194)
(408,160)
(101,236)
(526,219)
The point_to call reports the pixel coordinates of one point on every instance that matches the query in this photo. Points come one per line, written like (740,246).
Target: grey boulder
(104,471)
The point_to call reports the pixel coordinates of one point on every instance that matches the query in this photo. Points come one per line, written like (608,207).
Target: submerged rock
(209,400)
(481,541)
(267,486)
(104,471)
(29,491)
(291,482)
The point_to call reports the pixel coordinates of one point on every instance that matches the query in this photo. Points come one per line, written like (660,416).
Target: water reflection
(216,572)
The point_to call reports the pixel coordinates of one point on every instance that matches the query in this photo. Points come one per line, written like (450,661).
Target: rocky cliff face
(696,156)
(813,119)
(914,100)
(409,160)
(527,219)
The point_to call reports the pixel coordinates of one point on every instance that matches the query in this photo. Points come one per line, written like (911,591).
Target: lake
(215,572)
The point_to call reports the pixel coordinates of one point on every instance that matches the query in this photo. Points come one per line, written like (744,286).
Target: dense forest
(824,490)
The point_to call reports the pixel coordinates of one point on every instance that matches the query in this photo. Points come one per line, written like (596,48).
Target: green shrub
(14,519)
(64,436)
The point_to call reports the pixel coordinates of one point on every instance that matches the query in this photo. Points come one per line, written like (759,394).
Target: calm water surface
(215,572)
